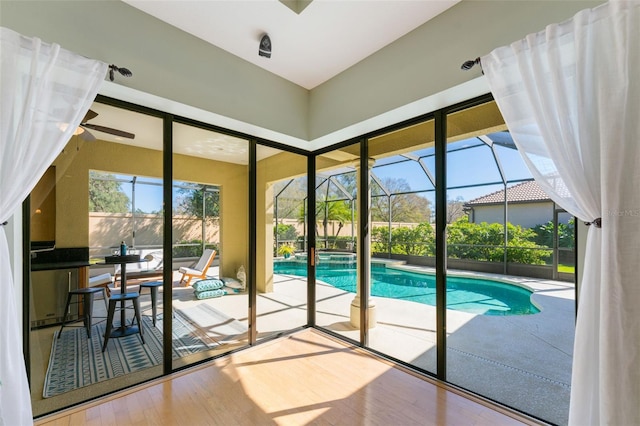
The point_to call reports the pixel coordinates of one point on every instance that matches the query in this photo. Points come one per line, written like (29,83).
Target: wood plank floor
(306,378)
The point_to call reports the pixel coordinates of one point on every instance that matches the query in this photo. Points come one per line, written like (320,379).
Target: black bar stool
(123,330)
(86,294)
(153,289)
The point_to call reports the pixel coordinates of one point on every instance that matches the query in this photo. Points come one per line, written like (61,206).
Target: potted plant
(286,250)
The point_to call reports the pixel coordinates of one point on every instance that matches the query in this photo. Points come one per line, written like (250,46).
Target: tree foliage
(333,211)
(566,232)
(404,207)
(106,195)
(455,209)
(291,195)
(190,202)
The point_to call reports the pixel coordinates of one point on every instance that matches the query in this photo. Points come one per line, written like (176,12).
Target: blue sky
(475,165)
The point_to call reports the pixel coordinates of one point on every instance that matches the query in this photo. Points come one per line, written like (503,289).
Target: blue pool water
(477,296)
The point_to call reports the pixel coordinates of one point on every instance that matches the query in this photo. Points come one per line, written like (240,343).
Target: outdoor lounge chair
(102,280)
(200,270)
(150,264)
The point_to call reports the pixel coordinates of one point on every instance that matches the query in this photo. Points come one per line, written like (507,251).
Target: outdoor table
(123,330)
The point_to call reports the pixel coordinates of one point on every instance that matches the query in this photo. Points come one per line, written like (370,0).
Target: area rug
(76,361)
(214,324)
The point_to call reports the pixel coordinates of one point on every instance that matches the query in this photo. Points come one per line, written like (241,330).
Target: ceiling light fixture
(64,126)
(265,46)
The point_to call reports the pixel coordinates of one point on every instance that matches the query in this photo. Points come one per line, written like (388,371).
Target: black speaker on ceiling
(265,46)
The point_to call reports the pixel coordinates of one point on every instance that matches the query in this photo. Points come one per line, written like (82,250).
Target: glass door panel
(281,257)
(566,245)
(336,230)
(209,243)
(403,245)
(510,321)
(97,195)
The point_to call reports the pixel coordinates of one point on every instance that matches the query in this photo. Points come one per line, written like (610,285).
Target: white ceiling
(187,140)
(326,38)
(309,48)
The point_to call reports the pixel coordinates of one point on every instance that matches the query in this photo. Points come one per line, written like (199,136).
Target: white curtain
(570,96)
(45,92)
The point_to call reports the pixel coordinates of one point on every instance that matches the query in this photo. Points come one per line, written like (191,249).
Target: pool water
(472,295)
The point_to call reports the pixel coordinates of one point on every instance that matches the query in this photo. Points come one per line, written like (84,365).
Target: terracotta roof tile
(522,192)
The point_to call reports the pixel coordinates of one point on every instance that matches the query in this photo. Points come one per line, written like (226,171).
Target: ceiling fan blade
(87,136)
(90,115)
(110,131)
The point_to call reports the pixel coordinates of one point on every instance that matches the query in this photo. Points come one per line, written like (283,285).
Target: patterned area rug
(76,361)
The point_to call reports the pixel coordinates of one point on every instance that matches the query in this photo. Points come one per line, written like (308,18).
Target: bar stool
(123,330)
(153,290)
(86,294)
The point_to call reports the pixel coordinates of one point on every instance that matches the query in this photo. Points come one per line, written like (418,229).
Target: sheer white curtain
(570,96)
(45,92)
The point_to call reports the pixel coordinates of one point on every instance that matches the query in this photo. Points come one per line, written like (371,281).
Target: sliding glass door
(281,233)
(337,292)
(103,191)
(402,187)
(510,316)
(209,243)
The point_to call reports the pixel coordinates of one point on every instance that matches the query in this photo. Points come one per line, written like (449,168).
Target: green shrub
(416,241)
(473,241)
(285,232)
(192,250)
(543,234)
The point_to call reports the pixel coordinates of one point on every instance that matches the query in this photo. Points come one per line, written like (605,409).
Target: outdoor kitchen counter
(59,265)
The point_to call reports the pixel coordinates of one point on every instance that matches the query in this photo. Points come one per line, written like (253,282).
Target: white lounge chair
(200,269)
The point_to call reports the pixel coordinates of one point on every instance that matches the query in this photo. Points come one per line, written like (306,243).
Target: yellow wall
(284,165)
(43,207)
(72,191)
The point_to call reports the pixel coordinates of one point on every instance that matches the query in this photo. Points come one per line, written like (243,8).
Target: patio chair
(200,269)
(102,280)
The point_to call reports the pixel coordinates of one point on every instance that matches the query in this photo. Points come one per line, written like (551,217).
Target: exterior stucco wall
(526,215)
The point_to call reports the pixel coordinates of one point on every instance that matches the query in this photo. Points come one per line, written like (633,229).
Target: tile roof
(520,193)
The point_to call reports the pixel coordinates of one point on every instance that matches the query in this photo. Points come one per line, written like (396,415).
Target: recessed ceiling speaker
(265,46)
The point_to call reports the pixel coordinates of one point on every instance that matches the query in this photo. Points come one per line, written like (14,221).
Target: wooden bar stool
(123,330)
(86,294)
(153,290)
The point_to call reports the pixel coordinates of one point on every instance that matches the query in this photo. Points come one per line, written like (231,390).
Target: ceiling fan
(84,133)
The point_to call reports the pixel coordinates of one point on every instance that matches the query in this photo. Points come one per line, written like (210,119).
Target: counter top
(60,258)
(58,265)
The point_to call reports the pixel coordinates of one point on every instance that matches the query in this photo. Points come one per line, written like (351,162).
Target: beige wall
(72,191)
(426,61)
(43,207)
(526,215)
(106,229)
(165,61)
(175,65)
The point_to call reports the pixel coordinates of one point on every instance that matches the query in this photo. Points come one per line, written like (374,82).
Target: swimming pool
(472,295)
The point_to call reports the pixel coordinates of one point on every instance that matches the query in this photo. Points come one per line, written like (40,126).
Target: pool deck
(522,361)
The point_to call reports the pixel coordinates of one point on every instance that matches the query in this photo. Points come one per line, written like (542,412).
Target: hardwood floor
(305,378)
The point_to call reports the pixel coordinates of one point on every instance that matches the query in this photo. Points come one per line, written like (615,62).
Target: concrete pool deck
(523,361)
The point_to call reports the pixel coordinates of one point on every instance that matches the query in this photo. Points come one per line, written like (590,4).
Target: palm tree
(330,210)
